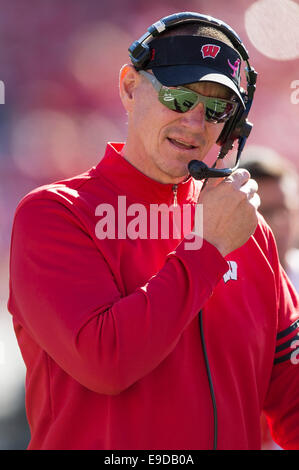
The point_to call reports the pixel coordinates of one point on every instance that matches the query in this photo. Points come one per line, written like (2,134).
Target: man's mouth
(181,144)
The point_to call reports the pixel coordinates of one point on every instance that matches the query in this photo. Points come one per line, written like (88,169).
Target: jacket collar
(131,182)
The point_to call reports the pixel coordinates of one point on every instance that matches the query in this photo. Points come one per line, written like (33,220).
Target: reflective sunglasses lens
(182,100)
(178,100)
(219,110)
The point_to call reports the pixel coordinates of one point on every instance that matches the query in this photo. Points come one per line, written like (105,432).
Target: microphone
(200,171)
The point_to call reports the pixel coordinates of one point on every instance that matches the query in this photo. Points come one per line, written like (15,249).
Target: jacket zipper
(175,194)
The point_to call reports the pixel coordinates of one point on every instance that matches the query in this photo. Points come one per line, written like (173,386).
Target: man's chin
(178,175)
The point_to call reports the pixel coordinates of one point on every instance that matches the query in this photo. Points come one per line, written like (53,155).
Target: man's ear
(129,78)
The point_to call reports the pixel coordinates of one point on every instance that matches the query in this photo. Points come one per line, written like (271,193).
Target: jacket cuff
(202,259)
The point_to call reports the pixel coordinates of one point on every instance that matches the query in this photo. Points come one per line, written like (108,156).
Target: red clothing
(109,328)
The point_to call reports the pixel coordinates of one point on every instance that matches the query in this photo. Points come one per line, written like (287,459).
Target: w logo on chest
(232,273)
(210,50)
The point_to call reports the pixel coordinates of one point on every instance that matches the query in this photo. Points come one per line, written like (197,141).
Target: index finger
(238,177)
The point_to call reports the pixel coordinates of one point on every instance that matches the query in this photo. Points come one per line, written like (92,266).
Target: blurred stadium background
(59,63)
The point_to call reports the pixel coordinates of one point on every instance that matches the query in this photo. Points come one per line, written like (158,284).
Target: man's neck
(145,166)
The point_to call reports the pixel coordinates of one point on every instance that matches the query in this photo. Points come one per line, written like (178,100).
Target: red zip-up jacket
(109,331)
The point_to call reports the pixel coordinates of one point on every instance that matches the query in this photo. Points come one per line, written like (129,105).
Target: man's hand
(229,210)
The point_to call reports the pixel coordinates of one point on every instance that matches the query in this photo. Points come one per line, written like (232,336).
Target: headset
(237,127)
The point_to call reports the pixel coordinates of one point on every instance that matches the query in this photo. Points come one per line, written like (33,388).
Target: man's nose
(194,118)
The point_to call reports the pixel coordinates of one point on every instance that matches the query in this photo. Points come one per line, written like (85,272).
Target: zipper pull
(175,195)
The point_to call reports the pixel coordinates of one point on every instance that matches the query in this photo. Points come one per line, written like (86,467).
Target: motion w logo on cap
(210,50)
(232,273)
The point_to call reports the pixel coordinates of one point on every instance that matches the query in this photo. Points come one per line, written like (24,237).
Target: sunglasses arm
(156,84)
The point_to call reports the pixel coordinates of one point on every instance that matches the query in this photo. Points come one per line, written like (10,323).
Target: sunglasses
(182,99)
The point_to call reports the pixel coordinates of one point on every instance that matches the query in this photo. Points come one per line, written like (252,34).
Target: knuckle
(242,173)
(243,196)
(252,210)
(238,178)
(255,184)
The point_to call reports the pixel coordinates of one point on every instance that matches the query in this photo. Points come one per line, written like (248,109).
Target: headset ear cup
(139,54)
(230,131)
(224,133)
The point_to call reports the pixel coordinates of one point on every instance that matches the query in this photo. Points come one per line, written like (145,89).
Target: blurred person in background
(278,185)
(121,335)
(277,180)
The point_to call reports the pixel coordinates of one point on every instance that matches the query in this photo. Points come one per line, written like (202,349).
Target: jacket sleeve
(282,401)
(63,294)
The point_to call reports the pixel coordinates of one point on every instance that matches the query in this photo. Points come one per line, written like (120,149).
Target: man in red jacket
(106,303)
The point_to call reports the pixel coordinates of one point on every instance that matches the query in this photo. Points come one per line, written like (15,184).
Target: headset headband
(183,18)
